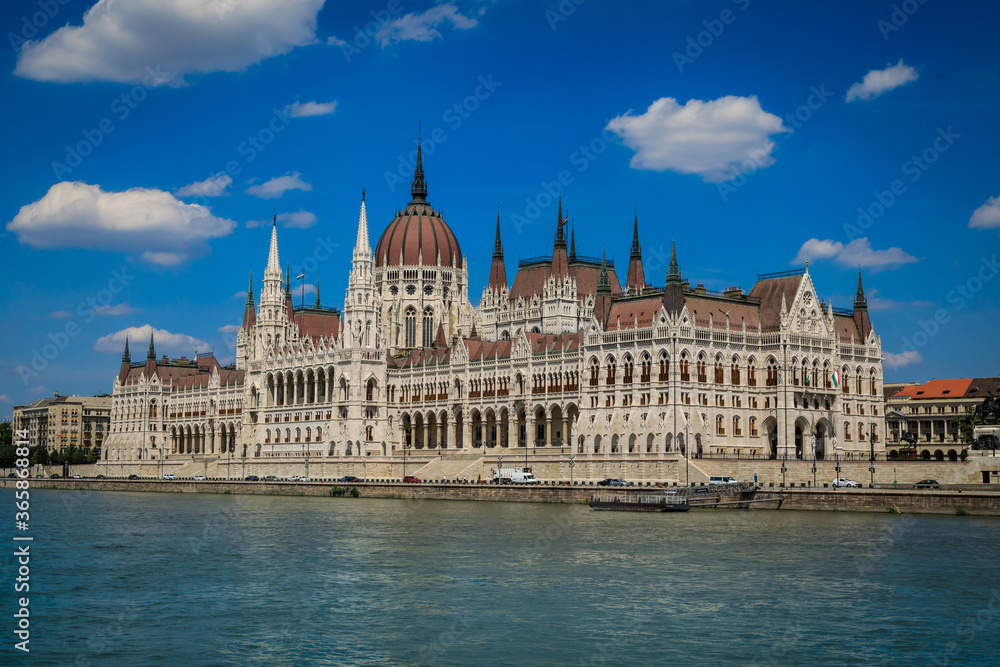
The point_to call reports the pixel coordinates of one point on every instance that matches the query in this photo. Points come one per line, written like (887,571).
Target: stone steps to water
(447,467)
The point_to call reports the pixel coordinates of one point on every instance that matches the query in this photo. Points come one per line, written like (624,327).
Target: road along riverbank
(924,501)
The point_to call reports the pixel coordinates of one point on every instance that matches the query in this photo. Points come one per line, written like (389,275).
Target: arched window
(736,426)
(720,425)
(370,390)
(428,327)
(411,327)
(751,374)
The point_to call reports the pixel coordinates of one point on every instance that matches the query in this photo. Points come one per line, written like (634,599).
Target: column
(548,431)
(565,431)
(427,442)
(529,436)
(466,430)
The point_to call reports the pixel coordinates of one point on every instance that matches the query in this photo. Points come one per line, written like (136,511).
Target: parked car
(199,478)
(54,475)
(77,476)
(169,476)
(613,482)
(270,478)
(722,480)
(927,484)
(12,474)
(133,476)
(410,479)
(349,478)
(99,477)
(843,481)
(40,475)
(295,478)
(251,478)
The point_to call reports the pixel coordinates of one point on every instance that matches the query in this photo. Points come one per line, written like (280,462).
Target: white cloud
(298,219)
(422,27)
(229,328)
(213,186)
(117,309)
(164,341)
(299,110)
(858,252)
(335,41)
(718,139)
(879,81)
(155,42)
(253,224)
(4,398)
(40,389)
(895,361)
(278,186)
(61,314)
(817,249)
(986,216)
(77,215)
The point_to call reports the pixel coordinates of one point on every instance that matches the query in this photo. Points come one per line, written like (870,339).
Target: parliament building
(567,362)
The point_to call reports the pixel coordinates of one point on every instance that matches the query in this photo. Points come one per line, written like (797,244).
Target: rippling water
(142,579)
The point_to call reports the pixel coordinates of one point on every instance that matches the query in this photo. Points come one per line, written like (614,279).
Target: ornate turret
(560,261)
(250,310)
(126,363)
(861,318)
(289,310)
(498,274)
(602,301)
(151,359)
(636,278)
(319,304)
(673,293)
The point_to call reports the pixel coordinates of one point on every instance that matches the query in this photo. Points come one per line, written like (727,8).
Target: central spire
(361,245)
(273,263)
(560,221)
(419,188)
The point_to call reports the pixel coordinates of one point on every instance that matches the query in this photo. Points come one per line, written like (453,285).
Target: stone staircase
(450,467)
(196,467)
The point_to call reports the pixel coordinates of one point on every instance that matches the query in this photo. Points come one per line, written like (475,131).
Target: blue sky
(147,145)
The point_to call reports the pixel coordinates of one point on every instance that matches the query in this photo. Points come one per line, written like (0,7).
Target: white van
(721,479)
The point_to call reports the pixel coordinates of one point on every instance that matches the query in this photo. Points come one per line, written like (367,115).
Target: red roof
(418,232)
(769,291)
(531,279)
(936,389)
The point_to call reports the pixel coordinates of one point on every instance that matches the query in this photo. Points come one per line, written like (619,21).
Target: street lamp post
(784,469)
(571,464)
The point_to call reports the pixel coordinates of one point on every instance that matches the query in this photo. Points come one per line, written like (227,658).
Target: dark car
(270,478)
(410,479)
(133,477)
(13,474)
(252,478)
(54,475)
(99,477)
(927,484)
(350,478)
(613,482)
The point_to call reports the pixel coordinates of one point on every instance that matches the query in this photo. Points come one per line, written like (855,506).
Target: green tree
(967,425)
(38,455)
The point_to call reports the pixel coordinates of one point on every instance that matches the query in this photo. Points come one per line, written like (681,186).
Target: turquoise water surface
(165,579)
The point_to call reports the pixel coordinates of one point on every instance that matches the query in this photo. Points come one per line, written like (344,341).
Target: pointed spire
(860,300)
(362,246)
(560,241)
(635,280)
(497,246)
(498,272)
(473,334)
(318,302)
(273,263)
(151,354)
(250,310)
(439,340)
(419,188)
(674,272)
(572,244)
(250,291)
(126,358)
(288,283)
(636,250)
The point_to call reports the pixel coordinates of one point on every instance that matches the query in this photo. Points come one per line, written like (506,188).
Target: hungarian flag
(301,276)
(809,377)
(836,377)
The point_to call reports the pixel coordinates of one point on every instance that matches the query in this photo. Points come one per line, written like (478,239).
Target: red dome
(419,232)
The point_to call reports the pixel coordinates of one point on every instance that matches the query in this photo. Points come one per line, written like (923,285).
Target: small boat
(639,502)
